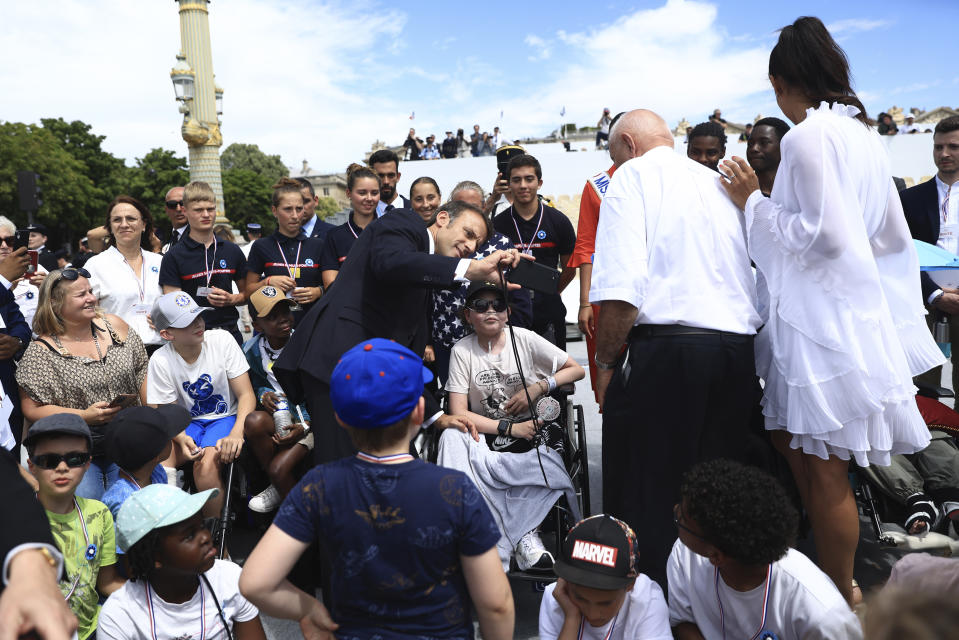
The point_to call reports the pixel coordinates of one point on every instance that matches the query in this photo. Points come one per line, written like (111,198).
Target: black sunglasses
(52,460)
(173,204)
(8,240)
(72,274)
(676,512)
(480,305)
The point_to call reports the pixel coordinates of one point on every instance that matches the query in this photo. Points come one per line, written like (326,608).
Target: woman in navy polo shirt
(363,190)
(287,259)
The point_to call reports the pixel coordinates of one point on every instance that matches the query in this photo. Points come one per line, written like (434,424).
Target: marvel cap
(68,424)
(265,298)
(175,309)
(155,506)
(138,434)
(599,552)
(377,383)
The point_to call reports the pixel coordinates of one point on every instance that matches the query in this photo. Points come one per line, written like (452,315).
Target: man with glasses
(174,210)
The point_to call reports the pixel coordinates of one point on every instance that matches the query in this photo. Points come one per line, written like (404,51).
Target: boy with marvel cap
(413,544)
(600,593)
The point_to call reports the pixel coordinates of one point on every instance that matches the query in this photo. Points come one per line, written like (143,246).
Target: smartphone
(21,239)
(34,256)
(535,276)
(124,400)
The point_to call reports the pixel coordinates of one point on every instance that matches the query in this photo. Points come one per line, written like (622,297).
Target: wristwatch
(503,427)
(603,366)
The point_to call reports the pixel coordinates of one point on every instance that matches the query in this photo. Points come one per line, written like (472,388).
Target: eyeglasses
(8,240)
(481,305)
(73,459)
(72,274)
(677,511)
(173,204)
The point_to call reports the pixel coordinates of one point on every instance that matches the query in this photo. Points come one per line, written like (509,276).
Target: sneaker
(266,501)
(531,555)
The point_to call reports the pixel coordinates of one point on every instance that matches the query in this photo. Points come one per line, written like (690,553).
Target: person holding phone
(81,361)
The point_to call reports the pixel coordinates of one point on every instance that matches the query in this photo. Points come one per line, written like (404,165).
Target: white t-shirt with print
(126,613)
(203,387)
(643,616)
(804,604)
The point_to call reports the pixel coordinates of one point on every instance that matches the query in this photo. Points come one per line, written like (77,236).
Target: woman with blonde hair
(83,361)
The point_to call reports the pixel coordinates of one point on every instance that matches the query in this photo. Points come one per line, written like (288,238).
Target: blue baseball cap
(156,506)
(377,383)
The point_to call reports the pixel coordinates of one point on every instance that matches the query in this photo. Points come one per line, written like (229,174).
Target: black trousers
(682,400)
(330,440)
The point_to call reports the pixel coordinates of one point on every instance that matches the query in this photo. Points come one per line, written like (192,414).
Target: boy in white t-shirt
(600,593)
(732,573)
(205,372)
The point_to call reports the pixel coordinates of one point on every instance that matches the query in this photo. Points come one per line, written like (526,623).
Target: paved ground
(873,561)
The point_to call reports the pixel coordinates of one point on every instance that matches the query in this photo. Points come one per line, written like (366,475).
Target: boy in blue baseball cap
(414,545)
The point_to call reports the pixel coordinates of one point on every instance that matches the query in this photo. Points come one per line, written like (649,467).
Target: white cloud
(539,46)
(855,25)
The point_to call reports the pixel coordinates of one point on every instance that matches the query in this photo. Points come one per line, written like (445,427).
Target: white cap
(175,309)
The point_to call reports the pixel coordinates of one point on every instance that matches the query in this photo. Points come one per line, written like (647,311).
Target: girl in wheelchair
(518,466)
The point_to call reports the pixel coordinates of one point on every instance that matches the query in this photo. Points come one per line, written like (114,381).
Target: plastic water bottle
(282,418)
(941,334)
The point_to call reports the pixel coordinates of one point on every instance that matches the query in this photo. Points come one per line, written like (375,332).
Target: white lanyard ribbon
(582,628)
(296,263)
(153,627)
(722,619)
(529,247)
(207,270)
(89,553)
(405,457)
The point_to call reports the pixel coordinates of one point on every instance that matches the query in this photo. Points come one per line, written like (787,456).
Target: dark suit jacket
(17,327)
(381,291)
(921,206)
(321,228)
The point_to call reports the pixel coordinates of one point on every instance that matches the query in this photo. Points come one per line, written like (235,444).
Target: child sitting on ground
(59,447)
(484,383)
(177,587)
(600,593)
(204,372)
(413,544)
(732,573)
(277,454)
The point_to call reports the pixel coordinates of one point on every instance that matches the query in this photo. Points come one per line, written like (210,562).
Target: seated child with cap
(58,448)
(413,544)
(277,454)
(484,384)
(178,588)
(732,572)
(600,592)
(205,373)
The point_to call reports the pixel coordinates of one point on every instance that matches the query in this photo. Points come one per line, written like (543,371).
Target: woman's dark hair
(740,510)
(356,171)
(808,59)
(142,554)
(428,179)
(283,187)
(144,215)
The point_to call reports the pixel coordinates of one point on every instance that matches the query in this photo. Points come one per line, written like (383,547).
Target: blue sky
(321,80)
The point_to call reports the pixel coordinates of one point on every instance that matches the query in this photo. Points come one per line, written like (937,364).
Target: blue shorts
(206,432)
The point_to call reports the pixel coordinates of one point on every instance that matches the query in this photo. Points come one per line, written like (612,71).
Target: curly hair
(740,510)
(141,555)
(708,129)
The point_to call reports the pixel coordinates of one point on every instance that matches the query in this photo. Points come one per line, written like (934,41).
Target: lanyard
(153,627)
(529,247)
(131,479)
(207,270)
(582,628)
(91,550)
(349,225)
(396,457)
(140,279)
(296,262)
(722,620)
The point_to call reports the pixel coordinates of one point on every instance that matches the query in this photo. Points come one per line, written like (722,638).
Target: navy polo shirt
(338,243)
(186,266)
(555,237)
(276,255)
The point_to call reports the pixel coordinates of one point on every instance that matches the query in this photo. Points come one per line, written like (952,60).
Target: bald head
(635,133)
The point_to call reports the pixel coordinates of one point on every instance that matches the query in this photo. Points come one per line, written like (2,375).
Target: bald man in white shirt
(675,284)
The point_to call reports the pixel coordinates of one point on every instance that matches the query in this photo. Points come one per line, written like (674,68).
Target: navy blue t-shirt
(189,265)
(396,533)
(276,255)
(338,243)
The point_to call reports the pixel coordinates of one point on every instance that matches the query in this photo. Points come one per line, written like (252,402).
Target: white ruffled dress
(846,329)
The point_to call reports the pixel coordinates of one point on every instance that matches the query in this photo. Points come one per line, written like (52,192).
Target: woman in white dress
(126,276)
(846,329)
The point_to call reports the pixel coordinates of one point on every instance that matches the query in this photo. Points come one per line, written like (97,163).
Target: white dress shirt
(948,216)
(125,293)
(672,244)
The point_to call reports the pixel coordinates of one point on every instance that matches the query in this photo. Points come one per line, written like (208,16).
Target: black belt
(657,330)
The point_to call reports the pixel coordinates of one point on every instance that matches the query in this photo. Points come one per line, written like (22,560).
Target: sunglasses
(173,204)
(72,274)
(481,305)
(8,240)
(73,459)
(677,511)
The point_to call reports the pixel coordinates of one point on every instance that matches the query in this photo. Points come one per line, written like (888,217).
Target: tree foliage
(326,207)
(249,157)
(155,174)
(247,197)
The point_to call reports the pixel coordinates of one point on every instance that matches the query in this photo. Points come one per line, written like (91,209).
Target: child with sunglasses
(59,454)
(484,383)
(177,587)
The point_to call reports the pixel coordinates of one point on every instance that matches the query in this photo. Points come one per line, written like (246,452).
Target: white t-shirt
(202,387)
(490,380)
(125,293)
(643,616)
(125,615)
(803,602)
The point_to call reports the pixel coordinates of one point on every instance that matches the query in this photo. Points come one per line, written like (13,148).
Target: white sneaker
(531,554)
(266,501)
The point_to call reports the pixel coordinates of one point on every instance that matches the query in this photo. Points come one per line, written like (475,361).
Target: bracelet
(585,305)
(603,366)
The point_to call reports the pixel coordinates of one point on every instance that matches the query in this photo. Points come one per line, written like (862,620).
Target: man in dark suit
(382,291)
(313,227)
(932,212)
